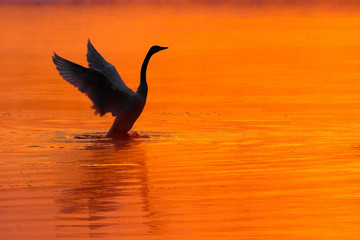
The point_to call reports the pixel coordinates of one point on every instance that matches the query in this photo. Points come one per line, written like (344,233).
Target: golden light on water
(251,128)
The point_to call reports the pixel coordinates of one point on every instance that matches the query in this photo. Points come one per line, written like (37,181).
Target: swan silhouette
(103,85)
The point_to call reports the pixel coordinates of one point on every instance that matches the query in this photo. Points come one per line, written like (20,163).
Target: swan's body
(105,88)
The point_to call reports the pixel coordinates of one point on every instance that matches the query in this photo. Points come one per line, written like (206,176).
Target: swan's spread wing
(96,61)
(94,84)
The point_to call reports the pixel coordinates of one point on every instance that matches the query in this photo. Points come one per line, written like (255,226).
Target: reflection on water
(251,128)
(107,181)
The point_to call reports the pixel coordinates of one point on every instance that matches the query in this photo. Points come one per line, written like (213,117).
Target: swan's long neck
(143,87)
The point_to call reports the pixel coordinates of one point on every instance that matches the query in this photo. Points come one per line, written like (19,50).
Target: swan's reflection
(108,188)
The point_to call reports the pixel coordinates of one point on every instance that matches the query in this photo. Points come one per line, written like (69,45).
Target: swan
(103,85)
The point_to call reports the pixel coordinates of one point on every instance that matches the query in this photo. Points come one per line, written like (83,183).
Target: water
(251,129)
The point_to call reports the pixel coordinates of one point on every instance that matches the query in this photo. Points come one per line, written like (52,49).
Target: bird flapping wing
(94,84)
(97,62)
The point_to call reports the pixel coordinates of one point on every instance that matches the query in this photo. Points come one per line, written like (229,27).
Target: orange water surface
(251,128)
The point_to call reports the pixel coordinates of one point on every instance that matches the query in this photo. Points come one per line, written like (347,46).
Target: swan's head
(155,49)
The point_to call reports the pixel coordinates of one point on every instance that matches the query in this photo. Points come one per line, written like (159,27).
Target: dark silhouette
(103,85)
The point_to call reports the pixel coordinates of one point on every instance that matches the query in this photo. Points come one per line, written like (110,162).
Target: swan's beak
(163,48)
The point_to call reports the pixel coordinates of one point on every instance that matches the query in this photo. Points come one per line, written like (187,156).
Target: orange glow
(251,128)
